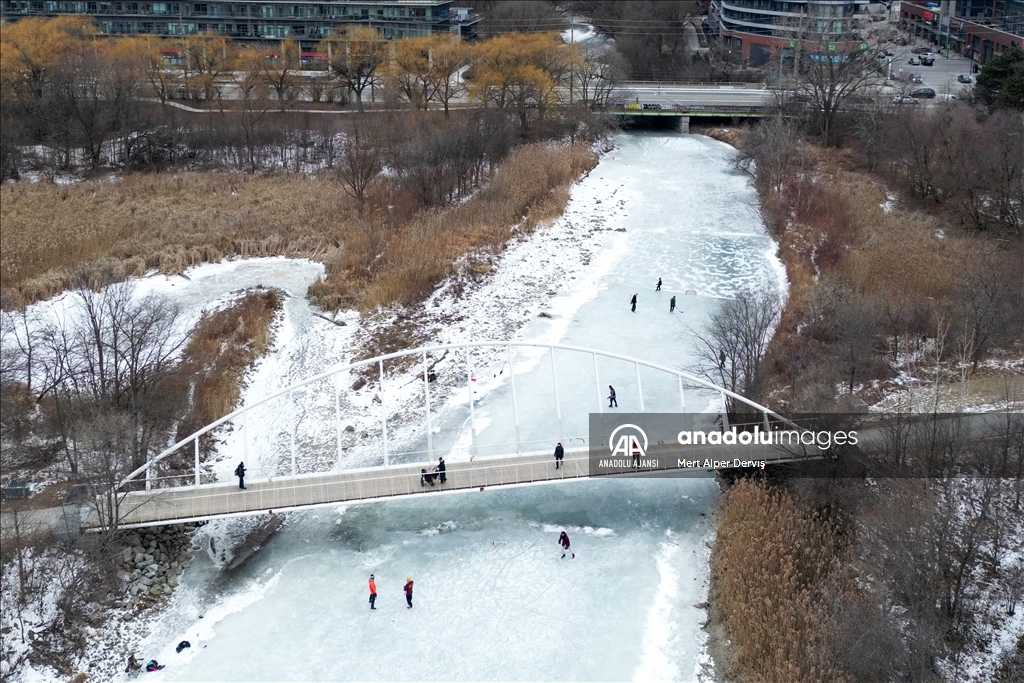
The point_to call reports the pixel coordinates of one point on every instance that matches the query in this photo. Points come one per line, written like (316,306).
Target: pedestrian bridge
(539,394)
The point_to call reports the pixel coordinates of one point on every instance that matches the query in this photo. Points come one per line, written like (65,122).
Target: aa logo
(631,443)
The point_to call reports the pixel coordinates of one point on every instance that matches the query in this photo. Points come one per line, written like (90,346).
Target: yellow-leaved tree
(354,55)
(520,71)
(32,50)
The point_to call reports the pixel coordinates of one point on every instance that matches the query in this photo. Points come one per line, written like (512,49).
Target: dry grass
(404,265)
(112,230)
(220,349)
(773,564)
(116,229)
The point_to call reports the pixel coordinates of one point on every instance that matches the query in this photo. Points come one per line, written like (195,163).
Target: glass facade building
(751,30)
(267,20)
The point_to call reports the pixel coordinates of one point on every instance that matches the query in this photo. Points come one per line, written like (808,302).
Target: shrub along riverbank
(892,579)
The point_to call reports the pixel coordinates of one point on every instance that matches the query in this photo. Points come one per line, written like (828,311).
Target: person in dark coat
(563,540)
(240,473)
(408,591)
(632,303)
(658,288)
(612,403)
(426,477)
(440,470)
(672,305)
(559,454)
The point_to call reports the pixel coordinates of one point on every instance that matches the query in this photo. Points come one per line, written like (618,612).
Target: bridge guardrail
(681,376)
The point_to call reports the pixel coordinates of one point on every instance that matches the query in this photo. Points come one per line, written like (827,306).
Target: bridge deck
(181,504)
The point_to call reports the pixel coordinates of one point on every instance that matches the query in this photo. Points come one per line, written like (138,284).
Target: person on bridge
(632,303)
(240,473)
(408,591)
(612,403)
(373,592)
(563,540)
(441,470)
(658,287)
(672,305)
(559,454)
(426,477)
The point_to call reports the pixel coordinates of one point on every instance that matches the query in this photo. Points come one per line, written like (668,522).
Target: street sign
(831,47)
(863,47)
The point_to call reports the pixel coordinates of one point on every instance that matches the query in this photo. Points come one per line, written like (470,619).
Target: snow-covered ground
(493,600)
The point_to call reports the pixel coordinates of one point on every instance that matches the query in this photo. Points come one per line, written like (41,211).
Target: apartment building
(752,30)
(307,21)
(979,29)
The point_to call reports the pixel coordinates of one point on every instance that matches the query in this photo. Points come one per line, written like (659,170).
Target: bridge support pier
(683,124)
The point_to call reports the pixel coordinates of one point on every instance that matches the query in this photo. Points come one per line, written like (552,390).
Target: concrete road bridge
(553,393)
(680,102)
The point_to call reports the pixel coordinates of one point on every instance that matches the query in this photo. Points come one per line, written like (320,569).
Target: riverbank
(878,318)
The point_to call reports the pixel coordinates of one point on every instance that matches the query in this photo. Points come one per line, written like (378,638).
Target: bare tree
(732,346)
(361,158)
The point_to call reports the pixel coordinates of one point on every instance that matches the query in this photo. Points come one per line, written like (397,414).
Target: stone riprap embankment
(154,561)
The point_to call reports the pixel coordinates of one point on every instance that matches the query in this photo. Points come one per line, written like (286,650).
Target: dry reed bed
(221,347)
(529,187)
(116,229)
(774,565)
(122,228)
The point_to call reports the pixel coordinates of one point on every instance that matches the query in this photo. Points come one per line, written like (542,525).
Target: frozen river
(493,598)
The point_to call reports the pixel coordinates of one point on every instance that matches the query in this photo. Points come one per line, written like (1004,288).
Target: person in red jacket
(373,592)
(408,590)
(563,540)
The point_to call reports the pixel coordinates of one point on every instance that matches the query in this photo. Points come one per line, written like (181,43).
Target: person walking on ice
(563,540)
(658,288)
(672,305)
(632,303)
(612,403)
(373,592)
(240,473)
(408,591)
(559,454)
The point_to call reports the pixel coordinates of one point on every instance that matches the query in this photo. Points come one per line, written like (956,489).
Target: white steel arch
(424,352)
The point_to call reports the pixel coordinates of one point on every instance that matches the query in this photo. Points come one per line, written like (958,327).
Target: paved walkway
(189,503)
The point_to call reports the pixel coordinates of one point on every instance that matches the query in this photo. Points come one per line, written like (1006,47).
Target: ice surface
(494,601)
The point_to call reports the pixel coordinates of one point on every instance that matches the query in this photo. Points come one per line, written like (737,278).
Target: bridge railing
(242,415)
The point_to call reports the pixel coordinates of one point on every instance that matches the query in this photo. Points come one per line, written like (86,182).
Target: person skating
(563,540)
(559,454)
(440,470)
(658,288)
(632,303)
(672,305)
(373,592)
(408,591)
(240,473)
(612,403)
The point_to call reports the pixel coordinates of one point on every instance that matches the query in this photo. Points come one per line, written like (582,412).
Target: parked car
(921,50)
(922,93)
(964,78)
(927,60)
(905,99)
(913,61)
(890,53)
